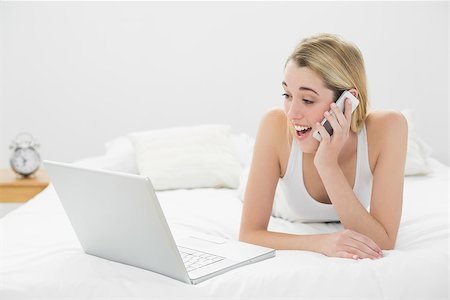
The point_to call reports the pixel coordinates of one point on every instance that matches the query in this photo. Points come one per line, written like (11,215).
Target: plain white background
(77,74)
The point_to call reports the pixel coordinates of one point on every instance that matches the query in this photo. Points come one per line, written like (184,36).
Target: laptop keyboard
(194,259)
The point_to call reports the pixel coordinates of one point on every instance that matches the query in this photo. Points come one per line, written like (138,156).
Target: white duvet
(41,258)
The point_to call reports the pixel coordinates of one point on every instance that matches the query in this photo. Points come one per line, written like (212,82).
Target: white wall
(77,74)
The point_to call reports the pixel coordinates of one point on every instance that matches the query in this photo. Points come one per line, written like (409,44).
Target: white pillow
(187,157)
(243,148)
(120,155)
(93,162)
(418,153)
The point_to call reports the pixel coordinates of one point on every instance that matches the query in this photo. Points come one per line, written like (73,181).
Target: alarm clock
(25,159)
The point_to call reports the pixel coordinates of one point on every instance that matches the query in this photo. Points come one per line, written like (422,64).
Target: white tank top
(302,207)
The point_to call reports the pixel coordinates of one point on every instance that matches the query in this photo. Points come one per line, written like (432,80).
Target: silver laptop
(117,216)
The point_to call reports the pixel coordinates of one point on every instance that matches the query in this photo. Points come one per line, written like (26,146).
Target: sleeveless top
(302,207)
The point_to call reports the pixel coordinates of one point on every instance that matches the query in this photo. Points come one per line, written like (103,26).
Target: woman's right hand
(351,244)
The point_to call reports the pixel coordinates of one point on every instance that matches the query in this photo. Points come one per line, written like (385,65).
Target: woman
(360,164)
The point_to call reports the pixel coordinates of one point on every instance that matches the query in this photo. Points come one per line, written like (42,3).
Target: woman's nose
(295,111)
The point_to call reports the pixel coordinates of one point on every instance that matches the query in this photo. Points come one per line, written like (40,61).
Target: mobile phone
(340,104)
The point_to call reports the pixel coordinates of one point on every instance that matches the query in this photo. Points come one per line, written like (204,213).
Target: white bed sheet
(40,257)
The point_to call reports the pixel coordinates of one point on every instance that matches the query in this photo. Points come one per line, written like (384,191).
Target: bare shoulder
(272,140)
(387,132)
(275,116)
(386,124)
(385,116)
(273,123)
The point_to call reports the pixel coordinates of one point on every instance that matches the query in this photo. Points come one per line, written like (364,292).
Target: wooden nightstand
(13,188)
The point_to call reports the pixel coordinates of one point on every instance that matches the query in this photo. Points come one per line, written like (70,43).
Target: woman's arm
(382,223)
(263,178)
(259,196)
(261,184)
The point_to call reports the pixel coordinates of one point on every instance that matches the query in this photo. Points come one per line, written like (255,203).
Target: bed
(41,258)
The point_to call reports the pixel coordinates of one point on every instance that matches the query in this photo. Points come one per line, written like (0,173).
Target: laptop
(117,216)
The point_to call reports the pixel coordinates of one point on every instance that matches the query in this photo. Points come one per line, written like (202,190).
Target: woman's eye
(286,96)
(306,101)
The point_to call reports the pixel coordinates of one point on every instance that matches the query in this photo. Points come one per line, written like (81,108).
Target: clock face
(25,161)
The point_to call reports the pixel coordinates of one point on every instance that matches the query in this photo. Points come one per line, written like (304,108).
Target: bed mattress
(41,258)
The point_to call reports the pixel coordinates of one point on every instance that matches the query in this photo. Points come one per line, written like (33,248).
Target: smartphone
(340,104)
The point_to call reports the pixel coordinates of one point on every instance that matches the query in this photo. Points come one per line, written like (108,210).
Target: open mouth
(302,130)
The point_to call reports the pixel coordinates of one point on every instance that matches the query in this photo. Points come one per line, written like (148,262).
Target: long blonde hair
(340,65)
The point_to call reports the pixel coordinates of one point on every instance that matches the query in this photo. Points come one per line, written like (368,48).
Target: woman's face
(306,100)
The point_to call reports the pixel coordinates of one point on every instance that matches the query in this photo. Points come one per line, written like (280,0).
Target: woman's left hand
(329,148)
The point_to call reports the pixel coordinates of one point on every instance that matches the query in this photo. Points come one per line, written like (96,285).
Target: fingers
(345,254)
(340,121)
(365,240)
(337,129)
(342,117)
(323,133)
(360,245)
(332,119)
(350,254)
(352,245)
(348,109)
(362,251)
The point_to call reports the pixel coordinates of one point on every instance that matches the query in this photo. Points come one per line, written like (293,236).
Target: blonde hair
(340,65)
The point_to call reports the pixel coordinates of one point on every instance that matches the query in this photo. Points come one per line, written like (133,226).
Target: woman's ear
(354,92)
